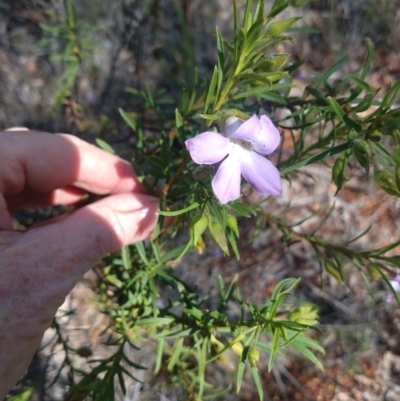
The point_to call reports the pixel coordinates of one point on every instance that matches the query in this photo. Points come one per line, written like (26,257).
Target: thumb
(95,230)
(41,266)
(50,259)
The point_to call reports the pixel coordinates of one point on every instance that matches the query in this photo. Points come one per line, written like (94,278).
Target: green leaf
(178,119)
(23,396)
(178,212)
(257,381)
(202,356)
(232,241)
(362,152)
(131,363)
(244,210)
(229,293)
(274,98)
(335,271)
(142,252)
(338,172)
(361,83)
(277,27)
(336,108)
(387,182)
(231,222)
(365,104)
(299,346)
(211,89)
(126,258)
(397,177)
(320,156)
(281,290)
(176,353)
(277,7)
(274,348)
(158,161)
(247,16)
(114,280)
(241,367)
(331,70)
(154,321)
(390,97)
(220,48)
(121,382)
(396,156)
(173,253)
(262,90)
(194,312)
(105,146)
(235,30)
(218,235)
(368,60)
(198,226)
(259,10)
(128,119)
(160,353)
(383,156)
(310,30)
(317,95)
(174,334)
(351,123)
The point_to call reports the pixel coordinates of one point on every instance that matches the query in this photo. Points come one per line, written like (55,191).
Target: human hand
(40,266)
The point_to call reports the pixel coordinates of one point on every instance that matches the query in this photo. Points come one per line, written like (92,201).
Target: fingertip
(122,219)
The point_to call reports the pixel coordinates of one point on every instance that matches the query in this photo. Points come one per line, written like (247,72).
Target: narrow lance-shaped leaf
(176,353)
(320,156)
(257,381)
(368,61)
(105,146)
(275,28)
(274,348)
(178,212)
(126,257)
(211,89)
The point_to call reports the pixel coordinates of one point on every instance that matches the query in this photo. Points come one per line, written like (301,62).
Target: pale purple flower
(395,282)
(244,143)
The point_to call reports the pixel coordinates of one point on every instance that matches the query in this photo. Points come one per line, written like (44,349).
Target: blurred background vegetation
(154,44)
(124,46)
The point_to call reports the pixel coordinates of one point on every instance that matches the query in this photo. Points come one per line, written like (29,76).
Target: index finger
(42,162)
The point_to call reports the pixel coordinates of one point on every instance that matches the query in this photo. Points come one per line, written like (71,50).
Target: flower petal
(208,147)
(268,137)
(247,131)
(226,183)
(261,174)
(232,124)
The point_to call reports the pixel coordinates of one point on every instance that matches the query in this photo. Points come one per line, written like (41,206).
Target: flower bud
(198,226)
(253,356)
(304,315)
(217,343)
(387,181)
(373,270)
(231,222)
(334,271)
(237,348)
(338,169)
(217,234)
(362,152)
(374,136)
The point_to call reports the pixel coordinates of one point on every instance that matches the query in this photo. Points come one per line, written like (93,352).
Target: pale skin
(40,266)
